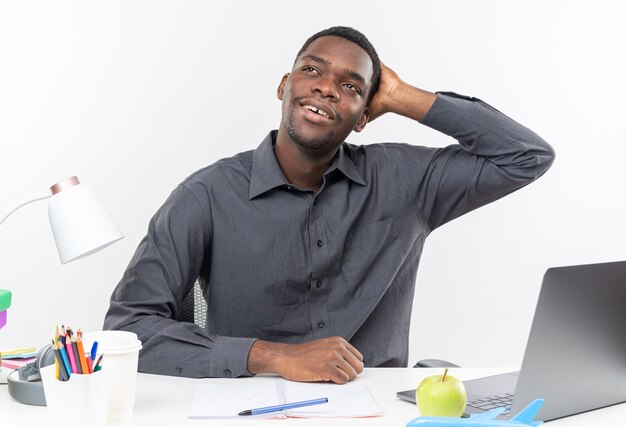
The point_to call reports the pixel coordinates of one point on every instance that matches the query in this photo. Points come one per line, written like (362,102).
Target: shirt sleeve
(494,156)
(149,296)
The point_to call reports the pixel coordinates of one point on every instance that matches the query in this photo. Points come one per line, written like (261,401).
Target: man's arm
(495,155)
(147,301)
(148,298)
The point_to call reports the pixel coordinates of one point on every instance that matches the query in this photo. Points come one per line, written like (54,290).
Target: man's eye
(352,87)
(309,69)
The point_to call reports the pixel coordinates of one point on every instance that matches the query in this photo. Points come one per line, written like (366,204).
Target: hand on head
(382,101)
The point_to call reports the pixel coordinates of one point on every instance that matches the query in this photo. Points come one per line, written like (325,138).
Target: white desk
(165,401)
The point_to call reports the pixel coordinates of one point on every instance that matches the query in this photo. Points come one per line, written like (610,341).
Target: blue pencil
(66,361)
(284,407)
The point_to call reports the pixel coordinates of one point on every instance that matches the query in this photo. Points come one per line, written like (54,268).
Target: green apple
(441,396)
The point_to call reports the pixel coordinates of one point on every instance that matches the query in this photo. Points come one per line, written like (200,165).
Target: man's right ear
(281,87)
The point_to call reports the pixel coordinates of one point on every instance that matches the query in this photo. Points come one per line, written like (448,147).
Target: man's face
(325,95)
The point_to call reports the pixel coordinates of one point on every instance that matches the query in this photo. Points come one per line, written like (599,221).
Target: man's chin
(314,143)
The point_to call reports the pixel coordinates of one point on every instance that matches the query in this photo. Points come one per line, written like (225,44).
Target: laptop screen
(575,358)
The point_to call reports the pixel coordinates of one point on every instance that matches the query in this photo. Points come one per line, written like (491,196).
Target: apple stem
(443,377)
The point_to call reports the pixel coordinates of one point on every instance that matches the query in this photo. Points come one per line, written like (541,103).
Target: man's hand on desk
(327,359)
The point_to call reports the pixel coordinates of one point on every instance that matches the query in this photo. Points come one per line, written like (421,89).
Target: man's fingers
(348,369)
(354,351)
(355,363)
(339,376)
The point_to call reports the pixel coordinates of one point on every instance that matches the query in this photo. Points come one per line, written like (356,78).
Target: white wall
(133,96)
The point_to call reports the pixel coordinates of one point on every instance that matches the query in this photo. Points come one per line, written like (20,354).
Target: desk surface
(165,401)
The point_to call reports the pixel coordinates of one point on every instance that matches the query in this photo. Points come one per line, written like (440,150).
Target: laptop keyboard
(493,402)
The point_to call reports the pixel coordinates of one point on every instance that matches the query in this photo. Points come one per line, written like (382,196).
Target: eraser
(3,318)
(5,299)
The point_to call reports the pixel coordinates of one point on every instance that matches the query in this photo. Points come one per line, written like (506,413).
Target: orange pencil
(81,352)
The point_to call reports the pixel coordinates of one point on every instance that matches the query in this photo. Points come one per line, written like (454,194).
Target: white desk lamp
(81,225)
(80,222)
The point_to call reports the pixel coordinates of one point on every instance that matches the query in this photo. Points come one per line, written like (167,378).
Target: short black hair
(355,37)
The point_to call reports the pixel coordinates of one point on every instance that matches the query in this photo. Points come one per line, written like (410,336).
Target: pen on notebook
(284,407)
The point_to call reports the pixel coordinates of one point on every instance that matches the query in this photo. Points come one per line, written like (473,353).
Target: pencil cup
(81,401)
(120,359)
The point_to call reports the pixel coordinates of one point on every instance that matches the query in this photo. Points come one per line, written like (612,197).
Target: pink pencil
(70,354)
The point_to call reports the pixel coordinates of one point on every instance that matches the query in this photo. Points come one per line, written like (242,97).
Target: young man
(308,246)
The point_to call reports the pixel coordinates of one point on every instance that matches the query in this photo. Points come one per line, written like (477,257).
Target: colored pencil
(62,334)
(98,364)
(79,366)
(66,360)
(58,359)
(81,352)
(88,358)
(70,354)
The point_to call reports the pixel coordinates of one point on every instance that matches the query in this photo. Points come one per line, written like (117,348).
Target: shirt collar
(344,163)
(266,173)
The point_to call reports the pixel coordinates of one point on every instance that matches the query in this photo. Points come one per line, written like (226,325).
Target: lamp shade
(80,222)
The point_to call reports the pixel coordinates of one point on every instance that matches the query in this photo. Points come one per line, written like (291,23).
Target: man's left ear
(281,87)
(365,116)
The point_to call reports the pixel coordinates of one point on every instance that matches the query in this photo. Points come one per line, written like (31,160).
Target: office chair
(194,311)
(194,307)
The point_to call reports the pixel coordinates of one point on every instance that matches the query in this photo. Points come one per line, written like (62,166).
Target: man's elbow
(544,158)
(534,162)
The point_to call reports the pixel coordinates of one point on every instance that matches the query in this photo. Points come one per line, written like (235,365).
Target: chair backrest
(194,307)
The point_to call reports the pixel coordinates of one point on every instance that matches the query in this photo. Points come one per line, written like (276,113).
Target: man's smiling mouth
(316,110)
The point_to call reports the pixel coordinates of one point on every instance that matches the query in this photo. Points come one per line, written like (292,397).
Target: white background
(133,96)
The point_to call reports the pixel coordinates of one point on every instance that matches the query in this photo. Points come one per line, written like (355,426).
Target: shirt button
(321,325)
(179,370)
(318,284)
(228,373)
(320,243)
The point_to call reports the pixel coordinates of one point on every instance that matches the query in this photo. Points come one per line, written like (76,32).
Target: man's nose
(327,88)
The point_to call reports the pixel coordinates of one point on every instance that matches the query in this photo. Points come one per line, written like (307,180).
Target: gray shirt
(289,265)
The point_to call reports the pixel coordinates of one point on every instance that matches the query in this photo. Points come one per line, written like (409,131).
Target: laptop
(575,356)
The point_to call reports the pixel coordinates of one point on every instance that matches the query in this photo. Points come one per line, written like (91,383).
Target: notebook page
(227,400)
(347,400)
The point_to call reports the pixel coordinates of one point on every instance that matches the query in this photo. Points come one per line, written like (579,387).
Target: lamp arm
(25,202)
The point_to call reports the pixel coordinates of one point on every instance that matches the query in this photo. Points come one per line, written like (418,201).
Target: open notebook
(215,400)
